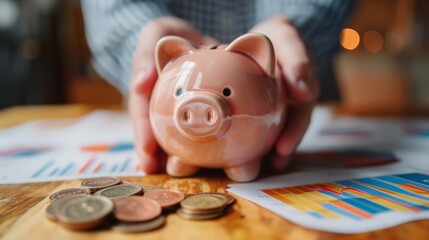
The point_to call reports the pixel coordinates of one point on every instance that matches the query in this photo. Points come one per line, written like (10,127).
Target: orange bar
(96,148)
(351,209)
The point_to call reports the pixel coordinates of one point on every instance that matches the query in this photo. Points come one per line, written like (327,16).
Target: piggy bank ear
(168,48)
(258,47)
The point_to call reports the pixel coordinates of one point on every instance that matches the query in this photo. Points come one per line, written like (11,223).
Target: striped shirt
(112,26)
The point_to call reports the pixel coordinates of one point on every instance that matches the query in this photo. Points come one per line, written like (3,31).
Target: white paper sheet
(98,144)
(320,200)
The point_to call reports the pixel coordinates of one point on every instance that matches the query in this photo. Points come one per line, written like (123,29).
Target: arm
(112,29)
(305,38)
(122,36)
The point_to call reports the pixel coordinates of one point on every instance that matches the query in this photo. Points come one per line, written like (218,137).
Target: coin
(83,211)
(140,226)
(188,216)
(165,197)
(204,202)
(147,188)
(229,199)
(98,183)
(135,209)
(52,211)
(118,191)
(68,192)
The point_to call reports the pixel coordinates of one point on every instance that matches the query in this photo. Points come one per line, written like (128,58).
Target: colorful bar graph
(358,199)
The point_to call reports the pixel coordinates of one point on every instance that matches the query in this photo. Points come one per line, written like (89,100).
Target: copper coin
(83,211)
(165,197)
(119,191)
(136,209)
(140,226)
(68,192)
(98,183)
(188,216)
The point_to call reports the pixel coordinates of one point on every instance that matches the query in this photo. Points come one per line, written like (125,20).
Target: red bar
(97,167)
(85,165)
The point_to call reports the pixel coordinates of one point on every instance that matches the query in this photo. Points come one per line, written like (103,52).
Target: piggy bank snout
(202,115)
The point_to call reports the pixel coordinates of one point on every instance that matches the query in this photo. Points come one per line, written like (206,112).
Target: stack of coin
(128,207)
(205,206)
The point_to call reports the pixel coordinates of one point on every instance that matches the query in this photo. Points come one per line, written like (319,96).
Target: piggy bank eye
(179,92)
(226,92)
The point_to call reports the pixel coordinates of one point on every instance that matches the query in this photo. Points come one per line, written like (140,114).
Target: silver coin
(119,191)
(83,211)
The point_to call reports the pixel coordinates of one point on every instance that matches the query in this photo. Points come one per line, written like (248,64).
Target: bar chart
(358,199)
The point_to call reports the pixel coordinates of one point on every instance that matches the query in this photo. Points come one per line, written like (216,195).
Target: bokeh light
(349,38)
(373,41)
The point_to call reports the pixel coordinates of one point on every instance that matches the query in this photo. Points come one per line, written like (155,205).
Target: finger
(144,76)
(297,122)
(296,67)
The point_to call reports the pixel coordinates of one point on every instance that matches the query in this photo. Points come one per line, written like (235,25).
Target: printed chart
(98,144)
(369,202)
(358,199)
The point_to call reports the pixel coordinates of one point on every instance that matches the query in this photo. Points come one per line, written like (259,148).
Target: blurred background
(383,67)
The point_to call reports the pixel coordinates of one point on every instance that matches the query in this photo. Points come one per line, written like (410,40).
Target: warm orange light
(373,41)
(349,39)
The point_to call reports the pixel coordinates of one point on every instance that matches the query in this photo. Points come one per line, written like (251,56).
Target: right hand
(143,78)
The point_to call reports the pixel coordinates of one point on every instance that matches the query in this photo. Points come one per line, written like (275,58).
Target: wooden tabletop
(22,206)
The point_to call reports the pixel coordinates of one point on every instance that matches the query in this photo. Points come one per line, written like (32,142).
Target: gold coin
(188,216)
(204,202)
(83,211)
(119,191)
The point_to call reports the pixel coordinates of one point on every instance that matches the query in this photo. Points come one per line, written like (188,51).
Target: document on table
(98,144)
(346,201)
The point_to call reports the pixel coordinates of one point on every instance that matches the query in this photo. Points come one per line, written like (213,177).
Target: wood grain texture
(22,215)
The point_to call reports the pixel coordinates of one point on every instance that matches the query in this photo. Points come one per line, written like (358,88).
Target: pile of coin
(128,207)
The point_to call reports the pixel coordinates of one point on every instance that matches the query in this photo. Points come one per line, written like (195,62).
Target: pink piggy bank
(217,108)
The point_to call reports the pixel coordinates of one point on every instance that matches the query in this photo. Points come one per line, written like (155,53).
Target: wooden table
(22,206)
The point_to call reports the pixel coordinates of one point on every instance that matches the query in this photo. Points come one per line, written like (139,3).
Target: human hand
(143,78)
(295,67)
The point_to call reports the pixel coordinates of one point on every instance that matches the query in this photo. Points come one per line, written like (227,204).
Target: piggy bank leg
(244,173)
(177,168)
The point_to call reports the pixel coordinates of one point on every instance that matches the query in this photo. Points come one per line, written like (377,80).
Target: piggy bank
(217,108)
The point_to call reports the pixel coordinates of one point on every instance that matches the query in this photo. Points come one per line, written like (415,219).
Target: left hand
(295,67)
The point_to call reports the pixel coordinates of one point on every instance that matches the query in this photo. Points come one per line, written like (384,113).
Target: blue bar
(65,170)
(114,168)
(336,196)
(366,205)
(125,165)
(387,186)
(315,214)
(415,177)
(54,172)
(398,180)
(340,211)
(121,147)
(43,168)
(376,193)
